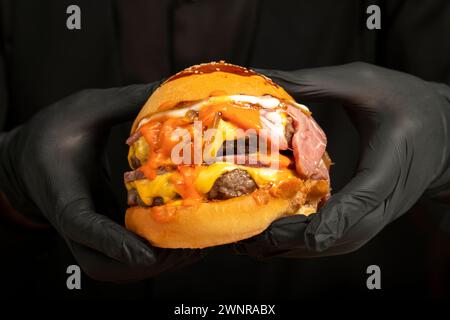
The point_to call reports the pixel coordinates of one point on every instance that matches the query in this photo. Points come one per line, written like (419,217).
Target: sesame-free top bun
(203,81)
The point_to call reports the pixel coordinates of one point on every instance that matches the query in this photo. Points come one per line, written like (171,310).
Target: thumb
(106,107)
(369,190)
(346,84)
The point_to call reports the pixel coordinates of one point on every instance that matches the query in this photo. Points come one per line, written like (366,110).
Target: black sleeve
(415,38)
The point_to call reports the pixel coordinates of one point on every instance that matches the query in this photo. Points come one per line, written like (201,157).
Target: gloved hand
(403,123)
(52,167)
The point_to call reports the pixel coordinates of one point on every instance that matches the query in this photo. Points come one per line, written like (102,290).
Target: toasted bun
(198,83)
(210,223)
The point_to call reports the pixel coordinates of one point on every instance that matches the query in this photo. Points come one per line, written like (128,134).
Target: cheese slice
(161,186)
(158,187)
(262,176)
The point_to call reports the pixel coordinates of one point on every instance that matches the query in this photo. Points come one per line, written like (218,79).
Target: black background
(43,62)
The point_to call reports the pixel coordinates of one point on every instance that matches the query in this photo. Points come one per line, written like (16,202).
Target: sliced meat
(133,138)
(232,184)
(321,171)
(130,176)
(309,143)
(162,170)
(134,199)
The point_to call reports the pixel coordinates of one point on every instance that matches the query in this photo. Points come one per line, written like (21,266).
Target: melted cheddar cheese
(162,185)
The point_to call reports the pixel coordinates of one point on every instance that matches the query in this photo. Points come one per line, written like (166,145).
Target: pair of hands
(53,165)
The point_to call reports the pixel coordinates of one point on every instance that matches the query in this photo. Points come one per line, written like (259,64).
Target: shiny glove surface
(403,124)
(52,169)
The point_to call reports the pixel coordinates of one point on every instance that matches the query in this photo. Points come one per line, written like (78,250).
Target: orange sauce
(261,197)
(161,141)
(274,159)
(183,181)
(244,118)
(286,188)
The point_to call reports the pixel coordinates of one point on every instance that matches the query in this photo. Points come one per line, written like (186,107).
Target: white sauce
(266,102)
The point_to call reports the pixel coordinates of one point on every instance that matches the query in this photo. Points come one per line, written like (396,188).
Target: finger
(75,217)
(377,175)
(375,179)
(80,223)
(103,268)
(125,101)
(373,183)
(345,83)
(281,236)
(290,241)
(106,107)
(355,238)
(78,220)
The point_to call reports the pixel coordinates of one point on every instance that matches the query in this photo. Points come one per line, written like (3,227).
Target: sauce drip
(183,181)
(161,141)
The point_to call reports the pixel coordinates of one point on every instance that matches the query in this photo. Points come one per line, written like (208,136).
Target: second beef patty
(232,184)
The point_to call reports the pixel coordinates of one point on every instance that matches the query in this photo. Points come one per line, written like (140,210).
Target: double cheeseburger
(218,152)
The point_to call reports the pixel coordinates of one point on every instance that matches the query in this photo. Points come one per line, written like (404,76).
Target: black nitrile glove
(403,123)
(52,167)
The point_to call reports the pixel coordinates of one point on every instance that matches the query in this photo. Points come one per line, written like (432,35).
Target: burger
(218,152)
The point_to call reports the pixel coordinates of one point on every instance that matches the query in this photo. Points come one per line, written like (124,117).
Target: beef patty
(232,184)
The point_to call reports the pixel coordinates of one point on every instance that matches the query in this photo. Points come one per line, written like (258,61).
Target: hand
(51,167)
(403,123)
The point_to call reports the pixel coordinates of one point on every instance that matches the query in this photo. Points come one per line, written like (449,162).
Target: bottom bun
(209,223)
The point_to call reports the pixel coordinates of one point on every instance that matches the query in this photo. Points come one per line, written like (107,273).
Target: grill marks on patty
(232,184)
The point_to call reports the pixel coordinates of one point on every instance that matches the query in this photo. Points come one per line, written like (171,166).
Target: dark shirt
(123,42)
